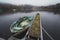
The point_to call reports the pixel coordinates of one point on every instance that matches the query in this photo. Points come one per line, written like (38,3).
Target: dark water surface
(49,20)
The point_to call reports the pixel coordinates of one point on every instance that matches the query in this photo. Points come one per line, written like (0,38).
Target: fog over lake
(49,20)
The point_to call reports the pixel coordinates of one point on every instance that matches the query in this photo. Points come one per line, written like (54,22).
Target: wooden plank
(35,31)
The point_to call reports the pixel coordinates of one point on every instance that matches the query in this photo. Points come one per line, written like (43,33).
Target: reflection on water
(50,22)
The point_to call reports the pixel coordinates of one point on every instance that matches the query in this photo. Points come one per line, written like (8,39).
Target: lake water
(49,20)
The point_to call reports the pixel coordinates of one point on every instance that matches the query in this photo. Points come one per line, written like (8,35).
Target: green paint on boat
(21,24)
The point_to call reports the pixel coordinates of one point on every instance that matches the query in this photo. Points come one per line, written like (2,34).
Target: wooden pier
(35,30)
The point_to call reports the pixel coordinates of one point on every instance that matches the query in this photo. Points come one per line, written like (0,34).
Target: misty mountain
(51,8)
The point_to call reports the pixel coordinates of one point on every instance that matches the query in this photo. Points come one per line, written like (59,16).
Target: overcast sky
(32,2)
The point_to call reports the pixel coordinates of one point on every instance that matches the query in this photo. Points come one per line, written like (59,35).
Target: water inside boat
(21,24)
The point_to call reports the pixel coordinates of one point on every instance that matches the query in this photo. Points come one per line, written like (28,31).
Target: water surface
(49,20)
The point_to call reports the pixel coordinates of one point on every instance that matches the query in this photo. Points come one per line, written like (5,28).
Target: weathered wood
(35,31)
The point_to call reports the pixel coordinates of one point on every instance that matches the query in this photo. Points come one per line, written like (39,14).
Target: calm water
(49,20)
